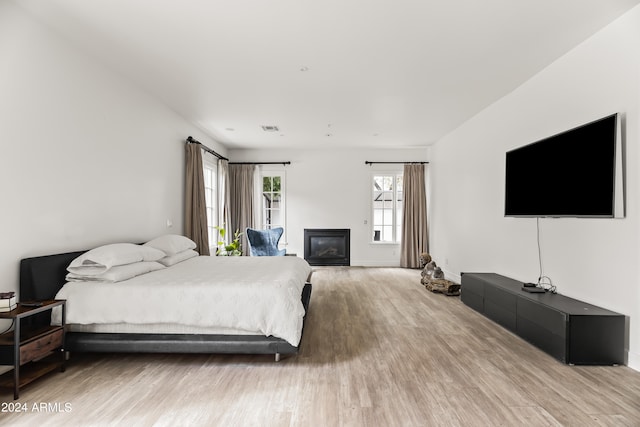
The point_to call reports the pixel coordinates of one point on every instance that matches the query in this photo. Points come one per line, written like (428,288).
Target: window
(387,207)
(210,170)
(273,200)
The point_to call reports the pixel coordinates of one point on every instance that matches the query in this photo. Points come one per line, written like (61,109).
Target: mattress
(252,295)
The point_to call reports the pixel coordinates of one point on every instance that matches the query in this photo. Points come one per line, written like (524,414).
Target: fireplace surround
(327,246)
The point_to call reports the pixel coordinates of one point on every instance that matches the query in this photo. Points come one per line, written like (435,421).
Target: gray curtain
(241,200)
(414,216)
(195,214)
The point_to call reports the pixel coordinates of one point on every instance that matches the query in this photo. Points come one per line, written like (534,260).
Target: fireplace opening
(324,246)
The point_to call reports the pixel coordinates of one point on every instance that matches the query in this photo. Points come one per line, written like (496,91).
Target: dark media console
(570,330)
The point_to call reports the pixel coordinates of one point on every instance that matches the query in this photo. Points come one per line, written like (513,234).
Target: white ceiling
(380,73)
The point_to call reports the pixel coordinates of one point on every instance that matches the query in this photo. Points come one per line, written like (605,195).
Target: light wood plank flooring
(378,350)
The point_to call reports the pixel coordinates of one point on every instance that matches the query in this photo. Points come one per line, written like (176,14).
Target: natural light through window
(210,180)
(272,200)
(387,207)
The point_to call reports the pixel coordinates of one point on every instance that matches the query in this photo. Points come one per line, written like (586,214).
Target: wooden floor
(378,350)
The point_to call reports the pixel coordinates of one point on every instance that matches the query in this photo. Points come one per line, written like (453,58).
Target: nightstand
(33,354)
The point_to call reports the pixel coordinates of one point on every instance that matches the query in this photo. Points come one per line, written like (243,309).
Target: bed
(46,277)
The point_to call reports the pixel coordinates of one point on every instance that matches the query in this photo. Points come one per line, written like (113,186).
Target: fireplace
(324,246)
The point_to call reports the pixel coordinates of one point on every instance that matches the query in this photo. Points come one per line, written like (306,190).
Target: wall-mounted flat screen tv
(576,173)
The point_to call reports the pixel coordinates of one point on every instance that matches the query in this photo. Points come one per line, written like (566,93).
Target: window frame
(396,222)
(269,172)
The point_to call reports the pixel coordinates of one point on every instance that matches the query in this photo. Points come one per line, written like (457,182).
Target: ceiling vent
(270,128)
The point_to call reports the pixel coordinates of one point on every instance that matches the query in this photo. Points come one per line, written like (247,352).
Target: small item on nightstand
(31,304)
(529,285)
(7,301)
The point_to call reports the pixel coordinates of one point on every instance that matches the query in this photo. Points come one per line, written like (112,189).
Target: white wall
(86,158)
(332,189)
(595,260)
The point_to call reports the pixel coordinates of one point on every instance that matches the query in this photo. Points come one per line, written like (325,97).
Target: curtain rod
(367,162)
(260,163)
(205,148)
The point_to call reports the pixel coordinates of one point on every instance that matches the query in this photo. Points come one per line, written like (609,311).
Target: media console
(572,331)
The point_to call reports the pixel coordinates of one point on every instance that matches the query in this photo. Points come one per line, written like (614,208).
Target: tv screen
(570,174)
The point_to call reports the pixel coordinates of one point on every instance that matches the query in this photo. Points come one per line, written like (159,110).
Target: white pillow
(170,260)
(118,273)
(99,260)
(171,244)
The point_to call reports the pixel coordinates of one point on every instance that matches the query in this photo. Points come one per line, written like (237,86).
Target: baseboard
(634,361)
(363,263)
(455,278)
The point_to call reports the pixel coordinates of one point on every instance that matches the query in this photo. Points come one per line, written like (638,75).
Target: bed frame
(42,277)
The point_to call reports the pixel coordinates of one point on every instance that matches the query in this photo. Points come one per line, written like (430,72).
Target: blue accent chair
(265,242)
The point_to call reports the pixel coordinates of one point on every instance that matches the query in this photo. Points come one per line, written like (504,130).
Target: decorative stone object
(433,278)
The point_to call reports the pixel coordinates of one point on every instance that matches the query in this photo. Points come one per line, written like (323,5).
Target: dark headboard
(42,277)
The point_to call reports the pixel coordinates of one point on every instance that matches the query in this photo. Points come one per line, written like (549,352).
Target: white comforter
(256,294)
